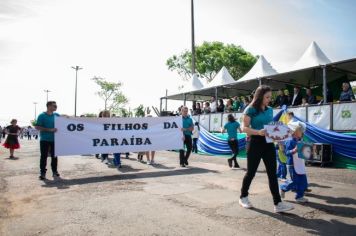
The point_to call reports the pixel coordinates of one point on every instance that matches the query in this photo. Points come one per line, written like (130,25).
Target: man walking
(45,124)
(187,129)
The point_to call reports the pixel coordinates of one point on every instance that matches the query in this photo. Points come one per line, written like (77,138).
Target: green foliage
(139,111)
(90,115)
(114,99)
(123,112)
(210,58)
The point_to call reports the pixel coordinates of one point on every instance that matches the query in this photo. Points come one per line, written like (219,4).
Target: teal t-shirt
(187,122)
(46,121)
(259,118)
(231,128)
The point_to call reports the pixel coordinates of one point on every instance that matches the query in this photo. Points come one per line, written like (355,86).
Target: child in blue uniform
(282,162)
(295,164)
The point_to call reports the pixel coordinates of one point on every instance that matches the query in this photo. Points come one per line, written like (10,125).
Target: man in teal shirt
(187,129)
(45,124)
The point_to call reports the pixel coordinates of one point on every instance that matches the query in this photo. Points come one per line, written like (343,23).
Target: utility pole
(47,91)
(35,110)
(193,43)
(76,68)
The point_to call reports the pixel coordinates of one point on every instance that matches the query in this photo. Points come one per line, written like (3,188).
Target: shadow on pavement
(332,209)
(335,200)
(318,185)
(313,226)
(64,183)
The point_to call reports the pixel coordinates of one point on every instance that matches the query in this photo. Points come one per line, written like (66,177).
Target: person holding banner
(256,115)
(187,129)
(45,124)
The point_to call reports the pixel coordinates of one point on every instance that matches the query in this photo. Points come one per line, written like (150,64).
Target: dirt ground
(163,199)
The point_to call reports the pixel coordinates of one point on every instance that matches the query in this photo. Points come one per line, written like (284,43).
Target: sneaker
(186,163)
(149,163)
(245,203)
(56,174)
(308,190)
(42,177)
(302,200)
(282,193)
(229,162)
(283,207)
(119,166)
(237,166)
(182,165)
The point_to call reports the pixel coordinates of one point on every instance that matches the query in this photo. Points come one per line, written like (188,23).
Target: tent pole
(160,104)
(166,99)
(216,96)
(324,84)
(185,98)
(259,82)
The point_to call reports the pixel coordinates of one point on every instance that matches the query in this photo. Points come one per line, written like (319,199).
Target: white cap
(294,125)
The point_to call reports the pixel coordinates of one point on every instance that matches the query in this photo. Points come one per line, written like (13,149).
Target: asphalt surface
(93,198)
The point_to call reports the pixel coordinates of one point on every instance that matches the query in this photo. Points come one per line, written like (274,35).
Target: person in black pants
(256,115)
(45,124)
(232,126)
(187,129)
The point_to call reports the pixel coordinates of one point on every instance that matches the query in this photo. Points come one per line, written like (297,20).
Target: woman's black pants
(258,150)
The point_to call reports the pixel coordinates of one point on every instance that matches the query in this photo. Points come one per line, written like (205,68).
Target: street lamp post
(46,91)
(35,110)
(76,68)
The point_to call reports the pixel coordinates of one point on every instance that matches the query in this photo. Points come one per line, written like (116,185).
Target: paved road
(93,199)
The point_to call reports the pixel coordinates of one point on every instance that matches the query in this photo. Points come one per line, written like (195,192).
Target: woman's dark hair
(231,118)
(197,124)
(221,102)
(258,96)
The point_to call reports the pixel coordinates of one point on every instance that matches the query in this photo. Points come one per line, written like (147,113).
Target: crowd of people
(283,97)
(257,113)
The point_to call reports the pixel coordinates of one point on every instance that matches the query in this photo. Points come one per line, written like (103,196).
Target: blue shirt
(231,128)
(347,96)
(187,123)
(259,118)
(289,145)
(46,121)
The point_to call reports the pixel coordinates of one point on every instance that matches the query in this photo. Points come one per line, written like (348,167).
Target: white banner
(117,135)
(319,116)
(204,121)
(215,122)
(300,112)
(344,116)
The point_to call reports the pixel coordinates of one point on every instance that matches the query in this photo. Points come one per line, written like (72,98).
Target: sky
(130,41)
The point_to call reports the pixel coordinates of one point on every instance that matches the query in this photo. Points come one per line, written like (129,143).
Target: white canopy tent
(221,78)
(315,69)
(312,56)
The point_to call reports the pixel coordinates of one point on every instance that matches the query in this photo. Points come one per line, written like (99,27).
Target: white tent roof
(262,68)
(221,78)
(313,56)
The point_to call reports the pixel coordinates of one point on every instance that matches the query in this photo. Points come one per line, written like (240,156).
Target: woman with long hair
(256,115)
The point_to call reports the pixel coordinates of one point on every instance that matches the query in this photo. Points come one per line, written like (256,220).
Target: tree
(123,112)
(210,58)
(114,99)
(90,115)
(139,111)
